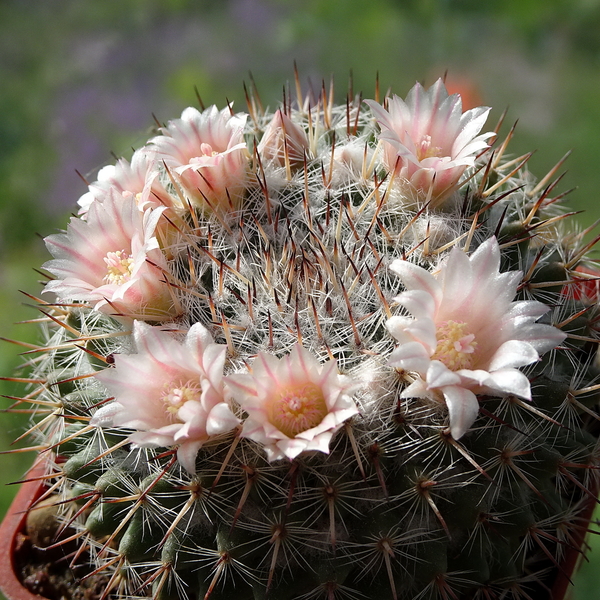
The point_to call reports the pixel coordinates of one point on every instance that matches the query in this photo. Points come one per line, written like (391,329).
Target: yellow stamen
(177,394)
(119,267)
(426,150)
(455,346)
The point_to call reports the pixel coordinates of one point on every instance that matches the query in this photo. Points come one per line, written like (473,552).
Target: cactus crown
(334,351)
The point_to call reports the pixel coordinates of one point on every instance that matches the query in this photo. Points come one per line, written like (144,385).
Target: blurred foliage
(80,79)
(587,580)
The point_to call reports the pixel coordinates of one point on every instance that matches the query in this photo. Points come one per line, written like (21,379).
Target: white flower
(467,335)
(428,141)
(112,260)
(138,179)
(171,393)
(294,404)
(208,152)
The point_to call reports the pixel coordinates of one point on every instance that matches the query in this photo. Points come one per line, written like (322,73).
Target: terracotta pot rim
(12,524)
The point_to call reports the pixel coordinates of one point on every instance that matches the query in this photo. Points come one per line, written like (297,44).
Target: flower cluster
(199,216)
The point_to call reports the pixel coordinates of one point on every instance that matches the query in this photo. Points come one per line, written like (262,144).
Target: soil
(47,571)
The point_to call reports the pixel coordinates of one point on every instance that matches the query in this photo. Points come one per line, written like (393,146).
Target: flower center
(119,267)
(176,394)
(297,408)
(455,347)
(426,150)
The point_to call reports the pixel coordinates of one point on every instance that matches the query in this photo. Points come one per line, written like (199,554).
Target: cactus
(335,351)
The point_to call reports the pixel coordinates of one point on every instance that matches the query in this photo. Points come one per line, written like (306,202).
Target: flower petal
(105,415)
(186,455)
(397,325)
(457,277)
(416,278)
(463,408)
(424,332)
(410,357)
(513,353)
(542,337)
(510,381)
(440,376)
(419,303)
(221,420)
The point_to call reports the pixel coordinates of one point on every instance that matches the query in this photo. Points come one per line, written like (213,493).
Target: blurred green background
(80,79)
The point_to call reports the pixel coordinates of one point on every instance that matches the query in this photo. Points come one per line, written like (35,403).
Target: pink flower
(208,152)
(138,179)
(428,141)
(467,335)
(112,260)
(294,404)
(282,138)
(170,392)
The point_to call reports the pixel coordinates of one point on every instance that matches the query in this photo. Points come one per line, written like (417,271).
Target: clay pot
(12,526)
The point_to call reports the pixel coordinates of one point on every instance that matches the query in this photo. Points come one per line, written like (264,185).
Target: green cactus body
(287,245)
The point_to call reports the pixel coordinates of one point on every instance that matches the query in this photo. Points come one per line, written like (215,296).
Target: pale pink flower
(207,152)
(138,179)
(112,260)
(467,336)
(282,138)
(170,392)
(294,404)
(428,141)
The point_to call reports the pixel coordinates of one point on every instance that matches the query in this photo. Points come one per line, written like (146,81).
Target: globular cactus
(334,351)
